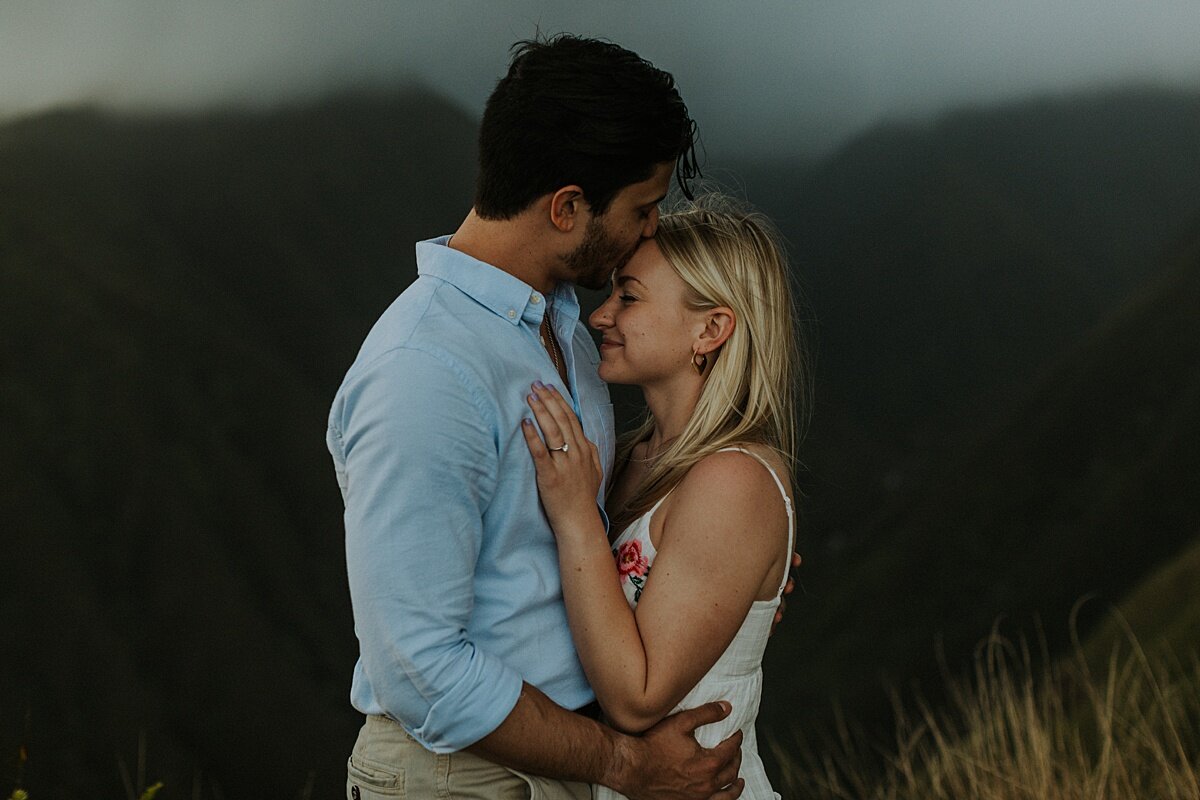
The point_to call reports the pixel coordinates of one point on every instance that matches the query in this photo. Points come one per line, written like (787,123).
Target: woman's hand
(568,465)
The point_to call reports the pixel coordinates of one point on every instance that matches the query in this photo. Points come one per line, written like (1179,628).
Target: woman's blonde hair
(757,387)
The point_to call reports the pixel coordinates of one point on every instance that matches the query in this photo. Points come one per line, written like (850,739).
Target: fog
(769,77)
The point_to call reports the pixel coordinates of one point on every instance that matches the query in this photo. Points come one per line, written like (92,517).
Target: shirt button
(535,299)
(512,314)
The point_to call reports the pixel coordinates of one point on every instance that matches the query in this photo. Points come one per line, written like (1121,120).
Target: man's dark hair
(578,111)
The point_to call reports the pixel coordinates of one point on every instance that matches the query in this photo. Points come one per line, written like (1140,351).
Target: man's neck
(512,245)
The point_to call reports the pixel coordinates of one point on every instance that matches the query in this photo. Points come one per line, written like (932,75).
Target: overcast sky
(765,76)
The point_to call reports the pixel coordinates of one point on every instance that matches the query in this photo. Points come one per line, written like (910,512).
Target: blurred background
(993,210)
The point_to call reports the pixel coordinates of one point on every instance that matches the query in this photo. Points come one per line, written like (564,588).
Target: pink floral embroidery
(630,560)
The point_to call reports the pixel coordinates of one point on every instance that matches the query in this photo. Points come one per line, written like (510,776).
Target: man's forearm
(542,738)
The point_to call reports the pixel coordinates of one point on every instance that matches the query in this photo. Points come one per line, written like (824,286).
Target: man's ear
(567,207)
(719,323)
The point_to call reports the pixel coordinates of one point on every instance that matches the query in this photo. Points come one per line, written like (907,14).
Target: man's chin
(596,279)
(593,282)
(600,278)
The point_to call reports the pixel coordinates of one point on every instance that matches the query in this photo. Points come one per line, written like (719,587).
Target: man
(467,672)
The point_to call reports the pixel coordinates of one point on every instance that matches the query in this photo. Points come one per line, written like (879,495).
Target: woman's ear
(567,207)
(719,323)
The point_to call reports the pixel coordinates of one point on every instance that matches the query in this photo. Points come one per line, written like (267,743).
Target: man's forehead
(661,178)
(654,188)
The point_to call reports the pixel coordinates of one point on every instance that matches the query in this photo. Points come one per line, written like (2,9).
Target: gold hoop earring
(699,362)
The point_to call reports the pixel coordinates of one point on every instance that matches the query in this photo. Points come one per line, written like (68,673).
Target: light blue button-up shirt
(453,568)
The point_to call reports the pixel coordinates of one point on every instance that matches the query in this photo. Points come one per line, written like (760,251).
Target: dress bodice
(737,674)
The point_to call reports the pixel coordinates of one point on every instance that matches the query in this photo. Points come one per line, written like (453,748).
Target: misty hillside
(1163,612)
(1088,485)
(178,300)
(947,261)
(180,295)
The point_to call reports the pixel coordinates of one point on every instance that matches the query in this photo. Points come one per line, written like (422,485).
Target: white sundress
(737,674)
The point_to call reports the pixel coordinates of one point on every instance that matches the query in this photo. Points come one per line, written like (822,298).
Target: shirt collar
(503,294)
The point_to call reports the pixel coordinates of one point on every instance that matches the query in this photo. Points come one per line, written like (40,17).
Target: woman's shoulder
(739,478)
(728,513)
(748,464)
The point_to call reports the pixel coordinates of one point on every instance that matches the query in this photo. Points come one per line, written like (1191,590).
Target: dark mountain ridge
(179,298)
(1088,484)
(180,295)
(947,260)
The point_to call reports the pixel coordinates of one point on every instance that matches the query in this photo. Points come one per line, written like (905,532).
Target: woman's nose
(599,318)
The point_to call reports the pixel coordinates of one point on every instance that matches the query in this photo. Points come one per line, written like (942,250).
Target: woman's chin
(609,374)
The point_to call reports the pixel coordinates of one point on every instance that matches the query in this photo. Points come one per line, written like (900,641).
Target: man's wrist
(624,758)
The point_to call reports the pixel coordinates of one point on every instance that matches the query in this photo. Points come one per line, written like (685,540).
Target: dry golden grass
(1128,729)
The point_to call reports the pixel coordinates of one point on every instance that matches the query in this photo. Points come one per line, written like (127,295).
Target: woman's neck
(671,407)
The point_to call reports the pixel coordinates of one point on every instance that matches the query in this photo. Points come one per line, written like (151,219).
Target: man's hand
(788,588)
(667,763)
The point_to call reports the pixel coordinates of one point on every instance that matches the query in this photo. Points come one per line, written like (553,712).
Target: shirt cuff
(473,709)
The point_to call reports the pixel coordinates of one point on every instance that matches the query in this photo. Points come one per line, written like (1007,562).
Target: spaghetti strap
(659,502)
(787,504)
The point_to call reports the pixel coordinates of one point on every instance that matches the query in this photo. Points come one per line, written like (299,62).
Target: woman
(676,610)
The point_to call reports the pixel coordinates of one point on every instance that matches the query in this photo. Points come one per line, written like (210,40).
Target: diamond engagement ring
(562,449)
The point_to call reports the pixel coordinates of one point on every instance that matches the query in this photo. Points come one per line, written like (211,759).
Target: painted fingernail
(533,398)
(539,385)
(550,386)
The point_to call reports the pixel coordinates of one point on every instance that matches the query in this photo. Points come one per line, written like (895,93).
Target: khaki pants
(388,763)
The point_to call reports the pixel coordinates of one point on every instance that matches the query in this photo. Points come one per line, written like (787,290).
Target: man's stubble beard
(597,257)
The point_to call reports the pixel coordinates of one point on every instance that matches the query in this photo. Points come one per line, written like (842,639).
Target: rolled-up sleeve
(419,466)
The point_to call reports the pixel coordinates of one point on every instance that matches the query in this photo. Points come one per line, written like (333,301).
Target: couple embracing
(541,614)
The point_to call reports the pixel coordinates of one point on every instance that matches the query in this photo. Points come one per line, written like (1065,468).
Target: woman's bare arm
(721,535)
